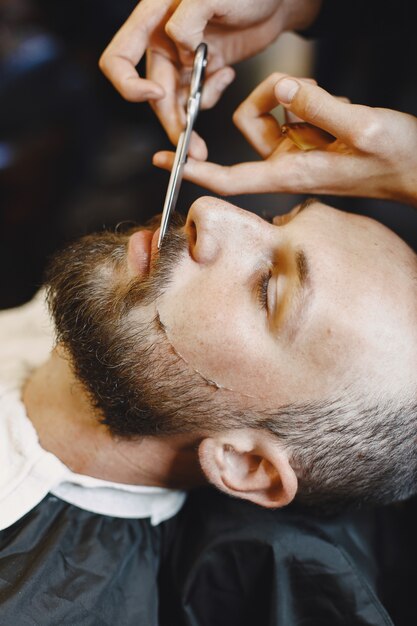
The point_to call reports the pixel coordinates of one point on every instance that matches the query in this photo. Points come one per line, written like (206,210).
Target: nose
(214,227)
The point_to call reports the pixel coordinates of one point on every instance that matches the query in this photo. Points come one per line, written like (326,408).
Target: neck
(69,426)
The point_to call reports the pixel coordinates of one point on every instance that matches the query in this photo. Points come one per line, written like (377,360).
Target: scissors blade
(193,105)
(173,185)
(175,178)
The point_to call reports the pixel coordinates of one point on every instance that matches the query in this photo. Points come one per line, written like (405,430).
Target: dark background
(75,157)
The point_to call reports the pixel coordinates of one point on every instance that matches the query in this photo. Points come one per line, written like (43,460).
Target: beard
(114,351)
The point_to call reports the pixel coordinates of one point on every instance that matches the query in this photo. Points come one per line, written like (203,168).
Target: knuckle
(312,110)
(174,30)
(238,116)
(368,133)
(292,178)
(224,184)
(245,112)
(295,174)
(102,63)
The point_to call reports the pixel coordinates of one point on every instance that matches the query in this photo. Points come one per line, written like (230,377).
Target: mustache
(86,280)
(174,246)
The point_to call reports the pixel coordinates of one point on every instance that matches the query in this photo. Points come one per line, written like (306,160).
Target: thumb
(186,27)
(187,24)
(315,105)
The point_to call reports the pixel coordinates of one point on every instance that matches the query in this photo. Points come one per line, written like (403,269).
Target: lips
(142,248)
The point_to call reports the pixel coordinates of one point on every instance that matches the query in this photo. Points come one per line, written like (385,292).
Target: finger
(291,118)
(253,117)
(168,109)
(296,172)
(251,177)
(293,172)
(187,24)
(254,120)
(187,28)
(242,31)
(128,83)
(197,148)
(263,97)
(215,85)
(119,60)
(313,104)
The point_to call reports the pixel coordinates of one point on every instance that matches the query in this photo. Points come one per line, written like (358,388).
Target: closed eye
(262,289)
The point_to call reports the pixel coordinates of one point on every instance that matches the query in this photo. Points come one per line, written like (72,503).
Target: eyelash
(263,289)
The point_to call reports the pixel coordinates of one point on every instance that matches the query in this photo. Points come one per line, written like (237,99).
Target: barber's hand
(170,30)
(374,152)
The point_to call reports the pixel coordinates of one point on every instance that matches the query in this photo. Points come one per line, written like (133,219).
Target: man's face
(290,312)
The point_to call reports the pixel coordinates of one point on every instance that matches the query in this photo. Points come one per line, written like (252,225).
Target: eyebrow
(304,277)
(302,296)
(303,269)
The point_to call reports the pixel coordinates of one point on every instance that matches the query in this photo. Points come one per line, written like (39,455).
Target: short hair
(349,451)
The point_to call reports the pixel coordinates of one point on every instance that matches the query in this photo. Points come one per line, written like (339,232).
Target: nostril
(202,234)
(192,233)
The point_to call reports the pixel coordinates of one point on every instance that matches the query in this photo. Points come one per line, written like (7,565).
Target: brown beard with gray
(136,381)
(119,361)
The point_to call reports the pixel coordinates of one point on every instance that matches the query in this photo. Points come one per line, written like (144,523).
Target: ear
(250,464)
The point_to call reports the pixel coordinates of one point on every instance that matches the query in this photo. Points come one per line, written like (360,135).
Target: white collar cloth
(27,471)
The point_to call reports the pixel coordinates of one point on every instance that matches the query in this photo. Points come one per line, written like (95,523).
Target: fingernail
(286,89)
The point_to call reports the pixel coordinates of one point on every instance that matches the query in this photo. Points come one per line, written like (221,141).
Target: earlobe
(249,464)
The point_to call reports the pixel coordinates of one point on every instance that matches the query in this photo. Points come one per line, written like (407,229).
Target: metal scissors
(193,107)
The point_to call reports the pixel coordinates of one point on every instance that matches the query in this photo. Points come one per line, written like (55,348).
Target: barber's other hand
(374,153)
(170,30)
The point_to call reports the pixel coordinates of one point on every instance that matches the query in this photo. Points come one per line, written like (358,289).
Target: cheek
(330,354)
(191,315)
(214,334)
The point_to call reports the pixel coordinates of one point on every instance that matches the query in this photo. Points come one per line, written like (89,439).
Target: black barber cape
(234,564)
(218,562)
(63,566)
